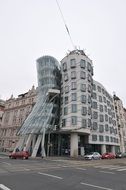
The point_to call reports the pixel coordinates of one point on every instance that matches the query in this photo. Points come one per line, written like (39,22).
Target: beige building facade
(15,112)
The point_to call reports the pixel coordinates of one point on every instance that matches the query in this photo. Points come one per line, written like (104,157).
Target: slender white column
(103,148)
(36,147)
(74,145)
(28,142)
(33,141)
(43,143)
(113,149)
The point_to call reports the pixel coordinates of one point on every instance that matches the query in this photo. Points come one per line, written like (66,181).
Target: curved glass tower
(44,115)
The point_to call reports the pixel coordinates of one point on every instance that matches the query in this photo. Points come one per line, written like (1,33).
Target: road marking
(107,172)
(123,169)
(3,187)
(81,169)
(104,166)
(26,169)
(6,163)
(99,187)
(116,167)
(50,175)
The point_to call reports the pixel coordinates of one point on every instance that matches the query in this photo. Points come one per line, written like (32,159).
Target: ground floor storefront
(72,145)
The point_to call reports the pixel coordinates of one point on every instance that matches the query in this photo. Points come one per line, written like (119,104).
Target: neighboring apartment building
(2,106)
(15,112)
(121,122)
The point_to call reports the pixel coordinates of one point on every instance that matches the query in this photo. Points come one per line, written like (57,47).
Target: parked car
(119,155)
(108,155)
(92,156)
(124,155)
(19,154)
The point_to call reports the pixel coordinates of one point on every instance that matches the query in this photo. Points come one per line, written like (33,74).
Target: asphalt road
(62,174)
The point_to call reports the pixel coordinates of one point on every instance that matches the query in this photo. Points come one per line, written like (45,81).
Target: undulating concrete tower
(87,109)
(45,113)
(76,91)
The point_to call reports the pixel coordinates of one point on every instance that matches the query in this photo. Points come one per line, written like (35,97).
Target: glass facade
(45,112)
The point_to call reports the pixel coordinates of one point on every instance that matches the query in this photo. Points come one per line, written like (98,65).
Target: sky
(30,29)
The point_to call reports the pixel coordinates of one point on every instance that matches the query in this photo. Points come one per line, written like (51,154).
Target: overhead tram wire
(68,32)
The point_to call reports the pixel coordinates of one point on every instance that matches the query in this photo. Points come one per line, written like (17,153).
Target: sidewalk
(4,154)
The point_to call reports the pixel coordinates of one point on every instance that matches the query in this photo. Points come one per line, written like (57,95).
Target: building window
(74,120)
(106,127)
(105,108)
(84,123)
(73,74)
(89,66)
(83,87)
(101,117)
(103,91)
(94,105)
(84,111)
(95,115)
(82,75)
(64,66)
(66,100)
(101,138)
(65,77)
(89,88)
(110,120)
(94,137)
(95,126)
(111,139)
(82,63)
(99,89)
(107,138)
(109,111)
(89,110)
(108,103)
(101,108)
(94,87)
(101,128)
(73,85)
(73,96)
(89,78)
(106,117)
(100,98)
(74,108)
(73,63)
(89,99)
(63,122)
(83,99)
(66,89)
(94,95)
(111,130)
(89,122)
(104,98)
(65,110)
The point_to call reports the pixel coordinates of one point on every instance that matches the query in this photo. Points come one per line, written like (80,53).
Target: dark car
(19,154)
(108,155)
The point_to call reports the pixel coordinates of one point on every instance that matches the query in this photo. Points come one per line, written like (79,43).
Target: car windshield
(90,153)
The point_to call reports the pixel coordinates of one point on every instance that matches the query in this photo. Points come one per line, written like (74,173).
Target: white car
(93,156)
